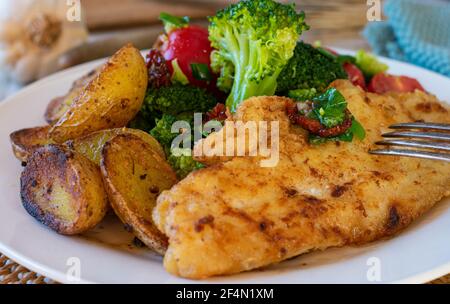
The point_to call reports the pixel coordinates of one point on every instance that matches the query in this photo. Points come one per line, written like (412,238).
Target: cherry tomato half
(190,45)
(355,75)
(382,83)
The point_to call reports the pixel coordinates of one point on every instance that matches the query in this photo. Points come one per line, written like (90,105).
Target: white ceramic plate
(419,254)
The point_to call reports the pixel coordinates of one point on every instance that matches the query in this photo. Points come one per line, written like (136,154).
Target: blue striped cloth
(416,31)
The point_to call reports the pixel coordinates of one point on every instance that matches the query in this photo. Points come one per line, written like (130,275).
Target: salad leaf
(341,59)
(200,71)
(355,130)
(178,76)
(173,22)
(369,64)
(329,108)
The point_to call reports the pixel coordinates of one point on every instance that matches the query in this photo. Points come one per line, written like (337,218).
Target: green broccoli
(178,98)
(302,94)
(309,68)
(254,40)
(183,164)
(162,131)
(172,100)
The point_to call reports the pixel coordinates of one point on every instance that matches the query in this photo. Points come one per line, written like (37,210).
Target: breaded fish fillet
(235,215)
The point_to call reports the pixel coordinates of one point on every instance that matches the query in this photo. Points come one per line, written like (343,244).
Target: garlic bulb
(34,35)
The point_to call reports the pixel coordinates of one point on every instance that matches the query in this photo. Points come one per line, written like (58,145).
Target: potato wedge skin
(63,190)
(134,177)
(59,105)
(91,145)
(110,100)
(56,109)
(25,141)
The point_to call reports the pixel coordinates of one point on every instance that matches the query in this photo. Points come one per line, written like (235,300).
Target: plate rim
(56,275)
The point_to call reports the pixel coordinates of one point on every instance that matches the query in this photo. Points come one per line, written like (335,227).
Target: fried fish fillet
(235,215)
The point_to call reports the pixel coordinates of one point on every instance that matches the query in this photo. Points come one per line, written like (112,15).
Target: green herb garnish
(173,22)
(329,108)
(200,71)
(178,76)
(356,130)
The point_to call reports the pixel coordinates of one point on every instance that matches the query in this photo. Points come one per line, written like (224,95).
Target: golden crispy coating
(235,215)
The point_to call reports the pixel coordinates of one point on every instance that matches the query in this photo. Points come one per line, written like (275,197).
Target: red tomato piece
(219,113)
(382,83)
(189,45)
(355,75)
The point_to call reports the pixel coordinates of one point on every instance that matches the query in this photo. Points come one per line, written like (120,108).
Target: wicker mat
(13,273)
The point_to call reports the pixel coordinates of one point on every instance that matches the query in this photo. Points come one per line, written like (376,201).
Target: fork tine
(421,125)
(415,144)
(425,135)
(411,153)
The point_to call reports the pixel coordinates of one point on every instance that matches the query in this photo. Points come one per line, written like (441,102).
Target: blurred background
(39,37)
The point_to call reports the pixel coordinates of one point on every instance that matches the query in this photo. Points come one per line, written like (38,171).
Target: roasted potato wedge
(63,190)
(91,145)
(110,100)
(58,106)
(134,176)
(25,141)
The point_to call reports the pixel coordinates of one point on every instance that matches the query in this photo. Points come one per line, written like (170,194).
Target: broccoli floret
(309,68)
(178,98)
(162,131)
(162,108)
(184,164)
(254,39)
(171,100)
(303,94)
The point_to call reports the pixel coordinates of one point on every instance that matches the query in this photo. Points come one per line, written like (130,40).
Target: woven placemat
(13,273)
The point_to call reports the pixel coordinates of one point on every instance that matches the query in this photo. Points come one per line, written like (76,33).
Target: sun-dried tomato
(314,126)
(158,70)
(219,113)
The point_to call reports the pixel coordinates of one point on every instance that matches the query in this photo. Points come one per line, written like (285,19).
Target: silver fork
(436,141)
